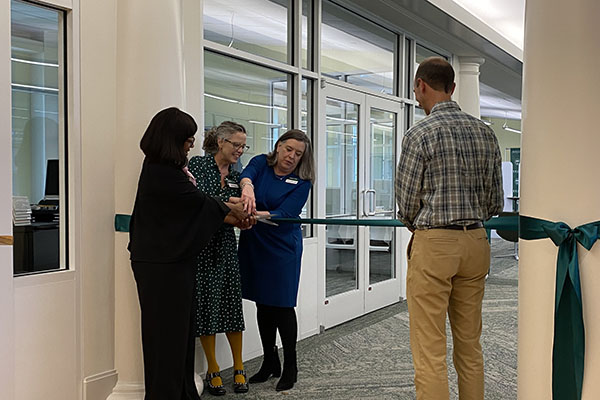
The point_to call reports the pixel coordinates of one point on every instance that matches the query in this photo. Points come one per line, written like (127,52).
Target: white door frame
(351,304)
(347,305)
(384,293)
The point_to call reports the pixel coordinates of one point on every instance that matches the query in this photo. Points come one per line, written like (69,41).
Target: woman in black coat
(171,222)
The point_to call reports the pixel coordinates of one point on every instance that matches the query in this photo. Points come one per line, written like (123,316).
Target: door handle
(372,213)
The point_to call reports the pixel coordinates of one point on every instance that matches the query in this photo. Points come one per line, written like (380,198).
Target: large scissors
(265,219)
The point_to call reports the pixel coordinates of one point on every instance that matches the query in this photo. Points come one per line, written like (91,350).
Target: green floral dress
(218,285)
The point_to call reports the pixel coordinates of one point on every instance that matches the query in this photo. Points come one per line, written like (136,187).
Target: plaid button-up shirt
(450,171)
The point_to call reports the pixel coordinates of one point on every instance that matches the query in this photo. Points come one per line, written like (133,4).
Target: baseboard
(99,386)
(308,333)
(135,391)
(127,391)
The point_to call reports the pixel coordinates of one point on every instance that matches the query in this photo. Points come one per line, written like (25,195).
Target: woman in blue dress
(270,256)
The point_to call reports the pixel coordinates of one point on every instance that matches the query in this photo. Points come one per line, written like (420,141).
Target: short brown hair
(437,73)
(306,167)
(165,137)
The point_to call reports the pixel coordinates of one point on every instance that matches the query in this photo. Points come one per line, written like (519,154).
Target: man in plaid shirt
(449,181)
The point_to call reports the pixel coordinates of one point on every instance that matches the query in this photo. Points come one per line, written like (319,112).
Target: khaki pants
(446,273)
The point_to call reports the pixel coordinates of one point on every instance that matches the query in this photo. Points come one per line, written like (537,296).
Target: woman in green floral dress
(218,286)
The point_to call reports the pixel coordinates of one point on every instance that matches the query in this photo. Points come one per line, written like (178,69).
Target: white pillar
(150,78)
(468,82)
(560,174)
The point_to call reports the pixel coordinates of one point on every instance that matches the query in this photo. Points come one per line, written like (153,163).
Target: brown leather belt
(475,225)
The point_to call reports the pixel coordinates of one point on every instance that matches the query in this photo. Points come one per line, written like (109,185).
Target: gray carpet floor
(370,358)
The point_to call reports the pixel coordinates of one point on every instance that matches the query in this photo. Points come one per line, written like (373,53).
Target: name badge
(292,181)
(233,185)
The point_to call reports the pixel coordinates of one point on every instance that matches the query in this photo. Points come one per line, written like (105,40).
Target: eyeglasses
(237,146)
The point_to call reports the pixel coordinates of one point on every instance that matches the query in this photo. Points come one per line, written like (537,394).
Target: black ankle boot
(270,366)
(289,376)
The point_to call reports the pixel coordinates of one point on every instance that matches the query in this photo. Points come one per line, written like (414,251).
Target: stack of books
(21,211)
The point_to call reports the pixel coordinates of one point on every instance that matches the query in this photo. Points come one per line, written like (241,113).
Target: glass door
(382,285)
(360,266)
(343,265)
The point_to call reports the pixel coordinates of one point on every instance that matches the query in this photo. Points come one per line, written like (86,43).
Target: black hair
(164,139)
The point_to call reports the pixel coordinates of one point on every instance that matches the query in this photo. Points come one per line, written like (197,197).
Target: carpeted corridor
(369,357)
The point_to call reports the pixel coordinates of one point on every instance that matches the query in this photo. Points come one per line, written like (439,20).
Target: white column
(468,82)
(560,175)
(150,77)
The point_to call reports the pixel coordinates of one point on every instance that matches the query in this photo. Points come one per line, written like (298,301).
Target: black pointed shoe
(271,366)
(212,389)
(288,378)
(240,387)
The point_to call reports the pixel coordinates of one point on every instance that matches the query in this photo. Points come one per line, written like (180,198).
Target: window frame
(64,120)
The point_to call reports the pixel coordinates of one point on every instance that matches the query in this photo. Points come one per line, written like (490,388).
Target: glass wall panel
(419,115)
(356,50)
(306,12)
(340,195)
(253,96)
(37,56)
(382,126)
(257,26)
(423,53)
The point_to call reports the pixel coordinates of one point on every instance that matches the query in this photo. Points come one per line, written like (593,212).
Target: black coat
(171,220)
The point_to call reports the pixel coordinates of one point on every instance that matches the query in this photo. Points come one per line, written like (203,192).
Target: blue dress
(270,256)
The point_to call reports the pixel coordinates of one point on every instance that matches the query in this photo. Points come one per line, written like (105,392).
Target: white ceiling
(494,103)
(507,17)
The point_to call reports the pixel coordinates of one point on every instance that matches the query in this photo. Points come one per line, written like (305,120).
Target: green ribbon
(122,222)
(333,221)
(508,223)
(569,335)
(568,350)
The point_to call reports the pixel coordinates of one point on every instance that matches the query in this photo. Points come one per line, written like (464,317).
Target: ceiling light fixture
(266,123)
(43,64)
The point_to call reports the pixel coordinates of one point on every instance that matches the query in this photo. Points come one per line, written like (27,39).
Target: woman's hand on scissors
(248,196)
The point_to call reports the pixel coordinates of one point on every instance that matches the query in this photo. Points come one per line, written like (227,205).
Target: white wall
(149,77)
(46,306)
(97,181)
(64,321)
(46,352)
(6,252)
